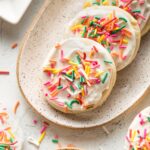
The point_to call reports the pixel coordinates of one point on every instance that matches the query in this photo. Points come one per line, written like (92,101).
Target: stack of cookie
(103,38)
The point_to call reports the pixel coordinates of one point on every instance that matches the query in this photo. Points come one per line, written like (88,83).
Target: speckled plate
(48,27)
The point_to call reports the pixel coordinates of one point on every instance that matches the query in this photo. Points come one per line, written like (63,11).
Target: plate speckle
(48,29)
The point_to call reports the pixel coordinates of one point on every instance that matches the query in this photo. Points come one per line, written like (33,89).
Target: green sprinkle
(71,103)
(96,24)
(97,17)
(96,3)
(79,86)
(79,59)
(59,87)
(115,31)
(90,33)
(73,75)
(148,118)
(136,11)
(103,42)
(108,49)
(114,3)
(104,78)
(109,62)
(84,31)
(68,105)
(72,89)
(11,139)
(91,23)
(122,18)
(82,79)
(54,140)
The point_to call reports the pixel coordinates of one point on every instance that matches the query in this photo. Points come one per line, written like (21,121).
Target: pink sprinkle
(43,129)
(35,121)
(142,122)
(145,133)
(83,17)
(53,98)
(63,89)
(46,94)
(124,57)
(140,16)
(47,83)
(68,95)
(111,47)
(122,47)
(141,2)
(60,103)
(98,81)
(96,66)
(56,136)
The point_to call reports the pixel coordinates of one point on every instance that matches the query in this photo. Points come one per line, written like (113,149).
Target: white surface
(13,10)
(89,139)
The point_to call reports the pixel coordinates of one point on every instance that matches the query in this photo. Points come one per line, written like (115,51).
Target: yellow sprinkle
(148,138)
(52,70)
(87,4)
(105,2)
(11,134)
(125,41)
(54,93)
(77,27)
(82,91)
(42,137)
(95,31)
(72,63)
(133,135)
(99,73)
(68,72)
(99,39)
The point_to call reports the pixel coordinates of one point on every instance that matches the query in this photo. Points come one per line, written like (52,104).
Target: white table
(89,139)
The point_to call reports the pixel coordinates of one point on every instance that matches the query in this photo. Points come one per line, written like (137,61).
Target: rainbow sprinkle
(127,5)
(81,72)
(110,31)
(139,139)
(7,139)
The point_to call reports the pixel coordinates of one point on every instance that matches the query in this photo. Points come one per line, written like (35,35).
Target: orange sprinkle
(16,107)
(14,45)
(58,45)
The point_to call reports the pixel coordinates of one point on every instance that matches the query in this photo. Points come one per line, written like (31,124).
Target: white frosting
(95,93)
(103,11)
(143,5)
(139,124)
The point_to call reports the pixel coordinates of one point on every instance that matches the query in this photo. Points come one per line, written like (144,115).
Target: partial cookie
(138,136)
(110,26)
(11,137)
(139,9)
(80,75)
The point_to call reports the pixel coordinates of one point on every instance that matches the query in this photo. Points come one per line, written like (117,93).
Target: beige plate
(48,27)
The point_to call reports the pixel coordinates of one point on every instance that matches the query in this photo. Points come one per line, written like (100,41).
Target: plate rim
(21,48)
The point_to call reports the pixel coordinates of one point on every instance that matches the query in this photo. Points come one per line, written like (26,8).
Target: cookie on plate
(138,136)
(139,9)
(110,26)
(79,75)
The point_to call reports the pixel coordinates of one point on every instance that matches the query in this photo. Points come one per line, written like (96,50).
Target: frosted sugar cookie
(138,136)
(80,75)
(110,26)
(139,9)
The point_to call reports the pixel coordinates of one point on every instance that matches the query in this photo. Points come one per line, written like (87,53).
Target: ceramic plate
(13,10)
(47,29)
